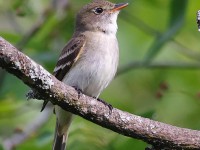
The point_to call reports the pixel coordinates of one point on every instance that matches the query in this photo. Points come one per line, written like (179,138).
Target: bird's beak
(119,7)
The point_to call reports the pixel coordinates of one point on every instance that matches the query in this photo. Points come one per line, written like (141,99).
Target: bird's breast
(97,64)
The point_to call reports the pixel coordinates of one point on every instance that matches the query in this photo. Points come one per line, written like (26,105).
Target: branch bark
(47,87)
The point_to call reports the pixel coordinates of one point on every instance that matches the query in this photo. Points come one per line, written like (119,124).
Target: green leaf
(177,16)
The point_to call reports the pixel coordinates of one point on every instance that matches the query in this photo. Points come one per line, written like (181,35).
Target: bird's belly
(91,79)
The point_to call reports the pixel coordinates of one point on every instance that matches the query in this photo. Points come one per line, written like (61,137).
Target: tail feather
(59,140)
(63,122)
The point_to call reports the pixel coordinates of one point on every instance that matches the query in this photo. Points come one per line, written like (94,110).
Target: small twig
(60,5)
(13,22)
(35,28)
(131,19)
(33,126)
(158,65)
(47,13)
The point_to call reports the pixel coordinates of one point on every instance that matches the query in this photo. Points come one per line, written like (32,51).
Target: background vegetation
(158,77)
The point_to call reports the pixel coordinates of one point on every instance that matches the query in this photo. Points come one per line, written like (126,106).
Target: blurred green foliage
(162,32)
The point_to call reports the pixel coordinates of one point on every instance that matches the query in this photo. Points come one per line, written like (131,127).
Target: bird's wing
(69,55)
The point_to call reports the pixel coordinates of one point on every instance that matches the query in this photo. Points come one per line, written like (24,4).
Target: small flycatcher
(89,60)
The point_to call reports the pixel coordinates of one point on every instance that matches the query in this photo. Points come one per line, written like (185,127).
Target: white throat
(110,26)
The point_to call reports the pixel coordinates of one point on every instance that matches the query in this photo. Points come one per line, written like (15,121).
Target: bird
(89,60)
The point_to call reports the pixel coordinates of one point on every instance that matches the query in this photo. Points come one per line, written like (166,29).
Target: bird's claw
(105,103)
(78,90)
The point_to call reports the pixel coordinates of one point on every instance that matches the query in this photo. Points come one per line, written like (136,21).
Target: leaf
(177,12)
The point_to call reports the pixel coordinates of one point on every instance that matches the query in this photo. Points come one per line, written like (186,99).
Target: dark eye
(98,10)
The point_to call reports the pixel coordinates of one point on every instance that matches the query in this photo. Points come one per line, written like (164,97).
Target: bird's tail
(59,139)
(63,122)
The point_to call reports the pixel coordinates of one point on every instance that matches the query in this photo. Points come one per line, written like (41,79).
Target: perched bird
(89,60)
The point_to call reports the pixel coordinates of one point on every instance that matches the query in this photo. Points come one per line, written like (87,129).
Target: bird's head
(99,15)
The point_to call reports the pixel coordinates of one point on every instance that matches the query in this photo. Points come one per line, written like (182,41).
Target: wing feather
(69,55)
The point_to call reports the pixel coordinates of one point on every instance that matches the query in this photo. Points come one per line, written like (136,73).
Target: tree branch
(140,24)
(158,134)
(161,65)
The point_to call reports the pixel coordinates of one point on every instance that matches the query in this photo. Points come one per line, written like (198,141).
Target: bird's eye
(98,10)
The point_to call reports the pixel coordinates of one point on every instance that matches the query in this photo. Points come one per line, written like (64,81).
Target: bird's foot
(78,90)
(105,103)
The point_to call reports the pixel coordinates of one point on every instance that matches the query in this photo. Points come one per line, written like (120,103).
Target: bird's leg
(105,103)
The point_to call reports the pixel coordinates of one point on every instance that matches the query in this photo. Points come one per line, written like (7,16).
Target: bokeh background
(158,76)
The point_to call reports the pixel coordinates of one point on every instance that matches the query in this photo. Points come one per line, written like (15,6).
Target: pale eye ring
(98,10)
